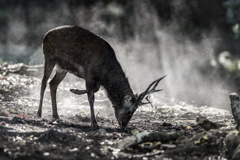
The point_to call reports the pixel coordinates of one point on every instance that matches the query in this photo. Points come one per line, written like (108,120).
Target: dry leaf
(21,116)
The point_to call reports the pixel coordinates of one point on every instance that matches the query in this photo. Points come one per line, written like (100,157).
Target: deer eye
(129,113)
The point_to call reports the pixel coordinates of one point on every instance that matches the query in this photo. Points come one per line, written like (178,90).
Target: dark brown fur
(86,55)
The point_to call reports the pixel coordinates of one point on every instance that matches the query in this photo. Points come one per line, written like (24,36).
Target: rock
(233,145)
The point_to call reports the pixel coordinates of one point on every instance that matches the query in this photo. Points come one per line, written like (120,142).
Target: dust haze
(155,50)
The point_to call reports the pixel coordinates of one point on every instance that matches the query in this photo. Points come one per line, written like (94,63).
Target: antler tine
(148,101)
(148,91)
(155,83)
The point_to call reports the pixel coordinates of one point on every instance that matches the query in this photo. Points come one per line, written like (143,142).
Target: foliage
(24,23)
(233,15)
(134,131)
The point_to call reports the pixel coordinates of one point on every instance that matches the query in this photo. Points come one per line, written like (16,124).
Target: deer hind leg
(92,86)
(48,67)
(57,79)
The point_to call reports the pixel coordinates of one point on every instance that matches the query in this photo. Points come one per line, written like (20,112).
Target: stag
(78,51)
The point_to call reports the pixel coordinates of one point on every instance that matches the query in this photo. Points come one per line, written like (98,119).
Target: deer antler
(148,91)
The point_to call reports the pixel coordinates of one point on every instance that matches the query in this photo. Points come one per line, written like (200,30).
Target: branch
(235,108)
(146,137)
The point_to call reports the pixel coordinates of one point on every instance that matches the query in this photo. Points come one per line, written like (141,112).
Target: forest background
(196,43)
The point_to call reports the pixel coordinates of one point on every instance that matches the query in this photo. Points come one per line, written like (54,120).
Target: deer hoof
(56,117)
(39,114)
(95,126)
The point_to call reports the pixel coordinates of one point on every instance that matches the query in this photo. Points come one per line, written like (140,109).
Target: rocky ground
(24,136)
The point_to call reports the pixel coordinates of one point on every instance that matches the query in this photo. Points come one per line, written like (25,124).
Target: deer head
(130,104)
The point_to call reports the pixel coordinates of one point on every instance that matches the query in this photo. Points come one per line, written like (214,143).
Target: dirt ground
(24,136)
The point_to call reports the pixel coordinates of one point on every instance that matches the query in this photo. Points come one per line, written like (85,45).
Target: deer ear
(127,100)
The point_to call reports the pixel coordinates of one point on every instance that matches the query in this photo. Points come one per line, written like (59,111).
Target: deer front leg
(91,88)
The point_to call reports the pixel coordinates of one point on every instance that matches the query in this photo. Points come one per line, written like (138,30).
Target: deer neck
(117,87)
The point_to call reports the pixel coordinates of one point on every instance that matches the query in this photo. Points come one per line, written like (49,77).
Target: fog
(155,49)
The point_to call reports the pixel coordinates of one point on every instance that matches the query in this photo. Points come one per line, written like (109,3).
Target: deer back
(86,55)
(79,51)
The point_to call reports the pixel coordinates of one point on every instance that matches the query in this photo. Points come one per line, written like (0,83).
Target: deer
(75,50)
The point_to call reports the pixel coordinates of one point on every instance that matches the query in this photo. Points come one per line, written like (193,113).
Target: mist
(155,49)
(182,60)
